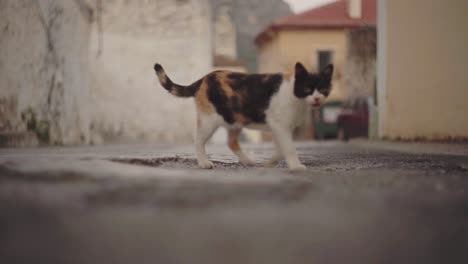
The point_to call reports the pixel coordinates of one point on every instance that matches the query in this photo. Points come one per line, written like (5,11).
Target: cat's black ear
(300,70)
(327,71)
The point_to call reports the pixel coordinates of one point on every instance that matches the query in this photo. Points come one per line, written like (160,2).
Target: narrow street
(358,202)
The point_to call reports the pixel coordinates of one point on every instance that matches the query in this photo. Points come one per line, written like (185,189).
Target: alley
(372,202)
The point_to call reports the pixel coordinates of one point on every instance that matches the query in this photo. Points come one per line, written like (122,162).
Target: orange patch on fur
(233,141)
(224,82)
(201,99)
(234,145)
(241,119)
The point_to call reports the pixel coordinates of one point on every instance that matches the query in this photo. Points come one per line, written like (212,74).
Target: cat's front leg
(283,138)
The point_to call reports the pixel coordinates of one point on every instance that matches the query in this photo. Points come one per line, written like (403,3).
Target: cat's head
(314,87)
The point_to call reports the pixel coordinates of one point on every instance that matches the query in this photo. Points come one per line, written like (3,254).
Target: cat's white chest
(285,108)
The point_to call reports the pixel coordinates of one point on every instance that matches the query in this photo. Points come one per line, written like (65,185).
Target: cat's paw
(205,164)
(297,168)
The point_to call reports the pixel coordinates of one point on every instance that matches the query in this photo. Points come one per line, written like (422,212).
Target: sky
(302,5)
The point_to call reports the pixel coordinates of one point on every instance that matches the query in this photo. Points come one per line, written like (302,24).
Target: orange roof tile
(331,16)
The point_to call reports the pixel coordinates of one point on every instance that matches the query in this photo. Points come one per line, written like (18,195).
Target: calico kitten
(274,102)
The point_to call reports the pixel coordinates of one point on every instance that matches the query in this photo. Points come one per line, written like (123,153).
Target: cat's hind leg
(233,143)
(206,126)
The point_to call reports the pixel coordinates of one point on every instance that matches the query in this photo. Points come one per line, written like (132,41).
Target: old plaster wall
(359,73)
(43,69)
(130,104)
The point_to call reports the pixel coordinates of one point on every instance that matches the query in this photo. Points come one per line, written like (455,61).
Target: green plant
(41,128)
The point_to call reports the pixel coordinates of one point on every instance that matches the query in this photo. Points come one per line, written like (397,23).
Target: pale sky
(302,5)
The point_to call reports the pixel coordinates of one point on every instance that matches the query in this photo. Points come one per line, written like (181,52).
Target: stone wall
(43,69)
(129,102)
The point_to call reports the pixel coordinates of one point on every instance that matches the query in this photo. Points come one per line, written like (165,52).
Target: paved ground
(357,203)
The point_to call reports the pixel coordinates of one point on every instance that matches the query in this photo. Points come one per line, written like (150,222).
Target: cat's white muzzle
(316,99)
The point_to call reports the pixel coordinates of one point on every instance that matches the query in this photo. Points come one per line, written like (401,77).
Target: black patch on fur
(219,99)
(157,67)
(254,92)
(236,106)
(324,84)
(187,91)
(251,95)
(305,83)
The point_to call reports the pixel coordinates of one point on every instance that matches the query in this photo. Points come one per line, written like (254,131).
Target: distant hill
(250,17)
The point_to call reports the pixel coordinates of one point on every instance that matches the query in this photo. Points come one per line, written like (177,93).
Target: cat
(272,102)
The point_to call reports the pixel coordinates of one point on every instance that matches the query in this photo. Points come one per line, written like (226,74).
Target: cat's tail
(175,89)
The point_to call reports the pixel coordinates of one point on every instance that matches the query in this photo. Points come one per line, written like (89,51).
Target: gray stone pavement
(360,202)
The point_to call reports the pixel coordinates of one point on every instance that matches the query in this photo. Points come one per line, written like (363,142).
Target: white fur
(206,126)
(162,76)
(316,98)
(283,115)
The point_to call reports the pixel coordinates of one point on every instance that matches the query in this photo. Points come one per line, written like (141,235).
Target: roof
(331,16)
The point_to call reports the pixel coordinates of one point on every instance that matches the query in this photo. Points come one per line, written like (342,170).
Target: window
(324,57)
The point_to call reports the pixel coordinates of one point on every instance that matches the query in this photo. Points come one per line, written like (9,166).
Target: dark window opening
(324,58)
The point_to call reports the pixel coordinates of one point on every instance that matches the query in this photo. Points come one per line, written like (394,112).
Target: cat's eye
(325,92)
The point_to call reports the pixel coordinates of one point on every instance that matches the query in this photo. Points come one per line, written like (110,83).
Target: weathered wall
(423,80)
(43,69)
(270,57)
(224,34)
(129,102)
(359,73)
